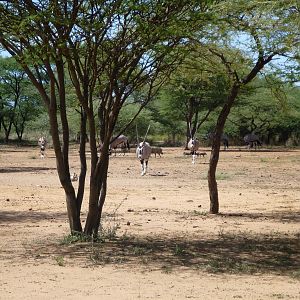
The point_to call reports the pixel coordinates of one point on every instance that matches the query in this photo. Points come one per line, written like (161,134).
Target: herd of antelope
(144,150)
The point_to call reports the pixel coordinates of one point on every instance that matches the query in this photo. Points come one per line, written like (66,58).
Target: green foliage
(272,111)
(19,101)
(60,261)
(194,91)
(97,57)
(74,238)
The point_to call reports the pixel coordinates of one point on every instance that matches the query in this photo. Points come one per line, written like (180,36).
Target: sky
(4,53)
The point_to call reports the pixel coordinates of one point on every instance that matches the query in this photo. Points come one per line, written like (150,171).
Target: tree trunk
(73,214)
(214,157)
(82,156)
(102,198)
(98,185)
(173,138)
(6,132)
(212,182)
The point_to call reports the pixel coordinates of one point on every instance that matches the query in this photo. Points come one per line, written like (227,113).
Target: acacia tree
(12,81)
(255,32)
(110,49)
(195,90)
(29,108)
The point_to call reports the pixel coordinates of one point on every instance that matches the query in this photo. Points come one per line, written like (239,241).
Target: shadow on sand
(228,253)
(24,169)
(7,217)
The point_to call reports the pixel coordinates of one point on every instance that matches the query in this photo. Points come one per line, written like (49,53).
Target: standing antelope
(156,150)
(143,152)
(252,140)
(193,145)
(224,139)
(119,142)
(42,143)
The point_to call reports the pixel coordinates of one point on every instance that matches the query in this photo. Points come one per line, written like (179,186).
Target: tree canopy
(101,57)
(110,49)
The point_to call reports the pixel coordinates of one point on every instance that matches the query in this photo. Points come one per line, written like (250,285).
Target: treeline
(269,107)
(187,104)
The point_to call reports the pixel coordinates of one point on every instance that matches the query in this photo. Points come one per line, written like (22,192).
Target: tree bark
(73,213)
(216,142)
(98,186)
(82,156)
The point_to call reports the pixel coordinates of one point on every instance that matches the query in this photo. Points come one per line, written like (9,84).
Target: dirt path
(160,241)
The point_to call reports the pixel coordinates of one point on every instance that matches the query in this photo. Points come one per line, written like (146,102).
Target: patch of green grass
(200,213)
(125,237)
(240,173)
(219,176)
(109,232)
(278,296)
(264,160)
(295,160)
(296,274)
(74,238)
(99,258)
(222,176)
(179,250)
(229,265)
(166,269)
(60,261)
(138,251)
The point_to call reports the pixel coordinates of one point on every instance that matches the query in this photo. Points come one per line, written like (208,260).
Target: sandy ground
(160,242)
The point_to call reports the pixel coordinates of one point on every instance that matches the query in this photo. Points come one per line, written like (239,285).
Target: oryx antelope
(143,152)
(252,140)
(193,146)
(119,142)
(42,143)
(224,139)
(74,177)
(156,150)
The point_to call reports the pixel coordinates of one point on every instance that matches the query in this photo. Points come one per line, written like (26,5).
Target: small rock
(128,223)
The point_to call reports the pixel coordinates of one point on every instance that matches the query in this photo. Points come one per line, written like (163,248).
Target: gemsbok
(224,139)
(156,150)
(252,140)
(119,142)
(143,152)
(193,146)
(42,143)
